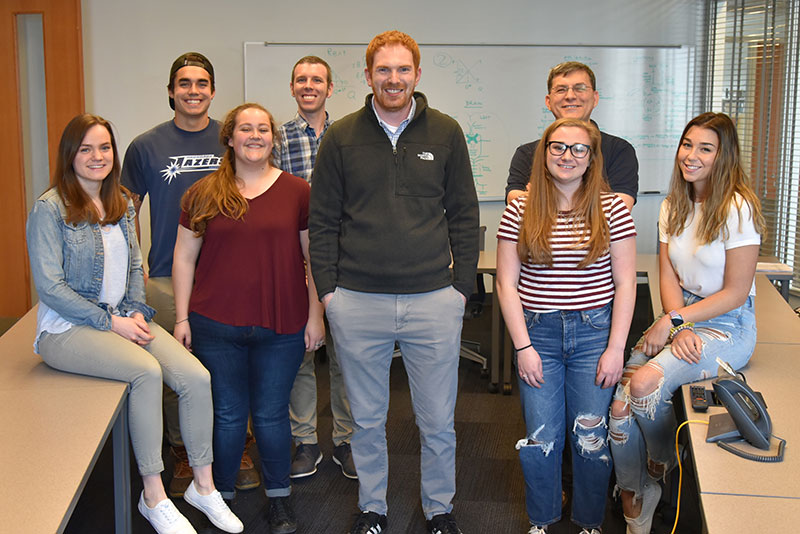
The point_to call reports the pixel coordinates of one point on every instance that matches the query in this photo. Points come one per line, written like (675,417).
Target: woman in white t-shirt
(710,229)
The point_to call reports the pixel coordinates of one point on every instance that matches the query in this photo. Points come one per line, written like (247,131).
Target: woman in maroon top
(242,302)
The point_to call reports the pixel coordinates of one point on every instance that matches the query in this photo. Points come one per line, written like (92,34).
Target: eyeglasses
(578,150)
(578,89)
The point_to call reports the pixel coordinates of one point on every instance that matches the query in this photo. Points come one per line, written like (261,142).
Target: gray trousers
(102,353)
(427,327)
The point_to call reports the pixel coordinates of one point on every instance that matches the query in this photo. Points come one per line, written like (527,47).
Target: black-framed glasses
(578,150)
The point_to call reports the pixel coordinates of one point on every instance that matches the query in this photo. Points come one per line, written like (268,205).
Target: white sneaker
(215,509)
(590,531)
(651,494)
(165,518)
(537,530)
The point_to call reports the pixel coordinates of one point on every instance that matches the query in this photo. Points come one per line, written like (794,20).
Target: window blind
(753,55)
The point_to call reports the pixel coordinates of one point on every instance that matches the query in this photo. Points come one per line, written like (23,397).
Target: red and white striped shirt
(563,286)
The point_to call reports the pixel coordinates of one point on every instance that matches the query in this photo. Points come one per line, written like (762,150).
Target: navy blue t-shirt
(163,162)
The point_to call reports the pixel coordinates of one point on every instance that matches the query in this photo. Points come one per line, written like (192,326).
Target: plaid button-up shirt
(298,147)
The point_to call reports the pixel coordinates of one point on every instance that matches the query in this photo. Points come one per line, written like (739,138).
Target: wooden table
(782,275)
(54,426)
(774,370)
(776,321)
(733,513)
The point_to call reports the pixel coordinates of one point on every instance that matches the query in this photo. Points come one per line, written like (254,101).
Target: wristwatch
(676,318)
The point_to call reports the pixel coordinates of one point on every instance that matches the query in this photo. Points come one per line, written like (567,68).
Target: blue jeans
(649,428)
(252,372)
(427,327)
(570,344)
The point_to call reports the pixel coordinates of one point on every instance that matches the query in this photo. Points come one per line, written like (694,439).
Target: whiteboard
(496,93)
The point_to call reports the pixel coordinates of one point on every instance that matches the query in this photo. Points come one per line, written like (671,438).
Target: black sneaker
(281,516)
(369,523)
(306,459)
(443,524)
(343,457)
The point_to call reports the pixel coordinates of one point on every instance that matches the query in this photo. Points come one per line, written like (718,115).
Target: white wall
(129,47)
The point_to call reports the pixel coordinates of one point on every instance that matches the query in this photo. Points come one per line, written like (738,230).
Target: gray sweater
(386,220)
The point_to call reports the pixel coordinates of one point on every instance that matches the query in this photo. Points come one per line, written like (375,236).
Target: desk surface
(776,321)
(729,513)
(46,415)
(487,261)
(773,370)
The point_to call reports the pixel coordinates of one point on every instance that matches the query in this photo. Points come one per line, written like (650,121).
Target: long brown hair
(219,191)
(78,204)
(541,206)
(726,179)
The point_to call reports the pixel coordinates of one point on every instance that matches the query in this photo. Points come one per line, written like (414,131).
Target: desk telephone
(747,418)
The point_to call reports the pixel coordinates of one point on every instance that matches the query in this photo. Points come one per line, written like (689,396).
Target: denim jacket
(67,264)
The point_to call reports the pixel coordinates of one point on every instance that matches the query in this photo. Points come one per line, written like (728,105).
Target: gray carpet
(490,488)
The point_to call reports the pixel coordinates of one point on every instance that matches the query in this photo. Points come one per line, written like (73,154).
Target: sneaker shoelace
(168,512)
(367,522)
(216,502)
(279,511)
(446,525)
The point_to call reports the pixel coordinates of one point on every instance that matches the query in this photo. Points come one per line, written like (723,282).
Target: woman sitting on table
(241,299)
(565,252)
(93,320)
(710,228)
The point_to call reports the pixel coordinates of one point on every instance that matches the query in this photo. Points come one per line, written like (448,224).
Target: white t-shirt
(701,268)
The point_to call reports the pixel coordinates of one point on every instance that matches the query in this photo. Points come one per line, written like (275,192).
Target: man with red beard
(393,199)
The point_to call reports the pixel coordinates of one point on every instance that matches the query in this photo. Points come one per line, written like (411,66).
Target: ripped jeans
(570,344)
(648,431)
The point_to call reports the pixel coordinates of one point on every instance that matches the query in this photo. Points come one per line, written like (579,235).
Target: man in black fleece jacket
(393,200)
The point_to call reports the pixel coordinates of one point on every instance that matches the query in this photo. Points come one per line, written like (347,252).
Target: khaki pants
(303,401)
(158,291)
(88,351)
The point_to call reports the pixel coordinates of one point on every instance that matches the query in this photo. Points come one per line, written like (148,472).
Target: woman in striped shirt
(565,252)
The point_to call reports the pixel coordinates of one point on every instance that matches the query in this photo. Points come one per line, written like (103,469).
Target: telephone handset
(747,418)
(748,411)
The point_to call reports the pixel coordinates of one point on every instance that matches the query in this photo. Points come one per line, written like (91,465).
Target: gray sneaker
(343,457)
(306,459)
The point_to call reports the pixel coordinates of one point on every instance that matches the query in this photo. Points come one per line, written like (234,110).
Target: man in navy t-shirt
(162,163)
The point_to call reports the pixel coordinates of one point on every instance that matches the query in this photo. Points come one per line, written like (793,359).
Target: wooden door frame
(63,65)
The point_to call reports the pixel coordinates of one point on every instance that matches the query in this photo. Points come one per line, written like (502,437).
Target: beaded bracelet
(683,326)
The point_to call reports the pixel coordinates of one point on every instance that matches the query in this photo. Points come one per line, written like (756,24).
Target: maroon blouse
(251,272)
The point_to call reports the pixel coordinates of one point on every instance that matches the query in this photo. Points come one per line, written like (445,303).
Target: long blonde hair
(541,206)
(219,191)
(726,179)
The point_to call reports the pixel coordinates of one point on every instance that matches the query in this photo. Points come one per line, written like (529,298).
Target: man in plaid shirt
(311,86)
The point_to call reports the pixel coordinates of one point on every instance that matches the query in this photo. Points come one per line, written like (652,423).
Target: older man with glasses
(571,92)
